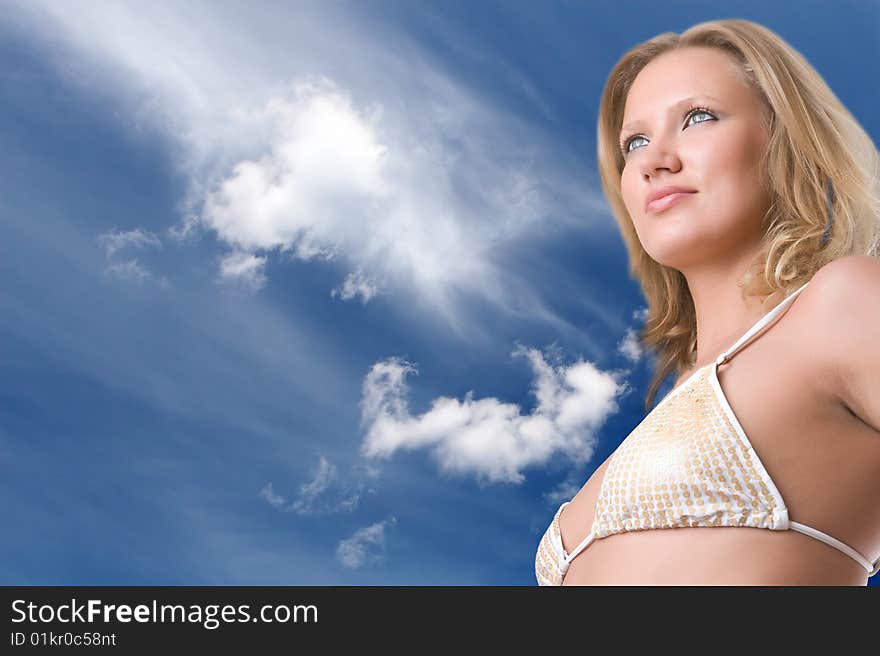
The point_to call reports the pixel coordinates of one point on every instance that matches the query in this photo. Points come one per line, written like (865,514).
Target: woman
(762,278)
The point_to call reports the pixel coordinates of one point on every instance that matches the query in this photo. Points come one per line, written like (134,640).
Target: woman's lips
(667,201)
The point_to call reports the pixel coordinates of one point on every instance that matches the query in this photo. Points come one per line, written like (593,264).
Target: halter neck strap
(761,323)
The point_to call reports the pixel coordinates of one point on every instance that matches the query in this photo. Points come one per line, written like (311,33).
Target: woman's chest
(823,461)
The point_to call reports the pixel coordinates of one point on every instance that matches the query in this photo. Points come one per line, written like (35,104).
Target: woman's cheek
(629,196)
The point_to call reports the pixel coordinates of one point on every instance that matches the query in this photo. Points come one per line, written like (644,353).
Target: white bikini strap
(763,321)
(567,558)
(583,545)
(871,568)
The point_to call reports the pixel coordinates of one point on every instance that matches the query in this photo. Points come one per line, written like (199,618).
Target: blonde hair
(813,140)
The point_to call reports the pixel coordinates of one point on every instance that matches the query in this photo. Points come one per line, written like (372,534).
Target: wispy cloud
(630,346)
(356,284)
(128,270)
(366,546)
(116,240)
(380,162)
(327,492)
(243,268)
(271,498)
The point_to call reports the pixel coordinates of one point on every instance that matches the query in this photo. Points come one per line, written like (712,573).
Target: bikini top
(688,463)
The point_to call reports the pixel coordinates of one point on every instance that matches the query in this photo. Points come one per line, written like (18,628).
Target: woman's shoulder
(846,265)
(850,269)
(840,291)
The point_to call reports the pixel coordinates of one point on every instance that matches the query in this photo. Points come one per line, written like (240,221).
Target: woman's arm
(846,312)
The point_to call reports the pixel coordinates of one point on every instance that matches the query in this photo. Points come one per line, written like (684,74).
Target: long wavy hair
(815,146)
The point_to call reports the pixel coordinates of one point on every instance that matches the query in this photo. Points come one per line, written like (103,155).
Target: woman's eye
(628,143)
(696,112)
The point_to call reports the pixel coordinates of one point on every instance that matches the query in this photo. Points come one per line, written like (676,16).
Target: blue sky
(321,293)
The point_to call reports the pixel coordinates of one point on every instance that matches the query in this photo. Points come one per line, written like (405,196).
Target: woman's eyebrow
(672,107)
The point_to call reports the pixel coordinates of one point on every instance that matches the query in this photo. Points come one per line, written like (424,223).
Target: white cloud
(324,165)
(243,268)
(315,132)
(365,546)
(326,472)
(356,284)
(629,346)
(327,492)
(564,491)
(269,495)
(128,270)
(115,240)
(489,438)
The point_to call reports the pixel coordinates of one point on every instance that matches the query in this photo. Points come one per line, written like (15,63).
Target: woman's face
(715,151)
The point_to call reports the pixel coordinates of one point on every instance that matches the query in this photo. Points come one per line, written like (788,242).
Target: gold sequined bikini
(680,467)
